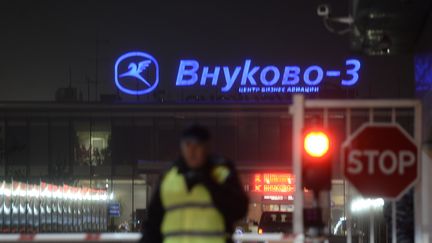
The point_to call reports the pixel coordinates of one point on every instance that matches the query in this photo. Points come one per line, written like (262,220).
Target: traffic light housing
(317,166)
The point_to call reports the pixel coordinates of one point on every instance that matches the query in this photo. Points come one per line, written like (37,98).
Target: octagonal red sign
(380,160)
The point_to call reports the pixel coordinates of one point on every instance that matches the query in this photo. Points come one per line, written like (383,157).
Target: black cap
(197,133)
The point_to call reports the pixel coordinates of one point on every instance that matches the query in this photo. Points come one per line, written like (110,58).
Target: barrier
(269,237)
(299,110)
(135,237)
(74,237)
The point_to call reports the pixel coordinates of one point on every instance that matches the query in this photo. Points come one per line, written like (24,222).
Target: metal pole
(325,199)
(426,196)
(418,207)
(394,226)
(393,203)
(371,226)
(297,111)
(347,185)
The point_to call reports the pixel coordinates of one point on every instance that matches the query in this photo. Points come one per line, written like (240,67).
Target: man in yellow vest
(199,199)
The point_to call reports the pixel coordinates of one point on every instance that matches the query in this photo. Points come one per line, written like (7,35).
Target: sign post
(297,111)
(381,160)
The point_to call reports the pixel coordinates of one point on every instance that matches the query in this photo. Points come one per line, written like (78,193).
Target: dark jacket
(229,198)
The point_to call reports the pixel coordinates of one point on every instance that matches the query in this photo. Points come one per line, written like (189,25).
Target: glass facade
(124,149)
(122,152)
(44,207)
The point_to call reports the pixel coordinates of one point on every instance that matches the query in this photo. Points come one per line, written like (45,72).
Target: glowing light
(43,190)
(247,77)
(273,183)
(339,224)
(353,72)
(319,75)
(135,72)
(265,79)
(362,205)
(316,144)
(273,197)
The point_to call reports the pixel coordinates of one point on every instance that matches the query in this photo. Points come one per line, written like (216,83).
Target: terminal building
(89,158)
(91,164)
(112,155)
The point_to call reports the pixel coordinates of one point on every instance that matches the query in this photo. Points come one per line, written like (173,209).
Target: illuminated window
(93,143)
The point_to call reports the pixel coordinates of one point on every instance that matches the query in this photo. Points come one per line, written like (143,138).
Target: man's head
(194,145)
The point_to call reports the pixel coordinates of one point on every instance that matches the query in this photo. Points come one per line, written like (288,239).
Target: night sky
(40,41)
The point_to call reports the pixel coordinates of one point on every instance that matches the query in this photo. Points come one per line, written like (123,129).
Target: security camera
(323,10)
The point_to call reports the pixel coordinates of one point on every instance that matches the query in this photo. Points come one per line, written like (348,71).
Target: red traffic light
(317,162)
(316,143)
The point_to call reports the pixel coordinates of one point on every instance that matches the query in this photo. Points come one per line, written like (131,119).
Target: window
(82,148)
(60,146)
(144,140)
(286,140)
(100,142)
(167,139)
(269,134)
(226,138)
(248,137)
(17,148)
(122,142)
(39,143)
(2,145)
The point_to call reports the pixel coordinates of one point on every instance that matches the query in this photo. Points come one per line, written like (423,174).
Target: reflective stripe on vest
(190,216)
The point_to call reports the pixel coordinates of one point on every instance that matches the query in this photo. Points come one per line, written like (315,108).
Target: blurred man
(198,199)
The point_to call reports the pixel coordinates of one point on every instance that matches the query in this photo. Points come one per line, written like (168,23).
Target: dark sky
(41,40)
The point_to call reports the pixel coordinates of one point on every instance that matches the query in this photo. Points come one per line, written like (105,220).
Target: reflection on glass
(43,207)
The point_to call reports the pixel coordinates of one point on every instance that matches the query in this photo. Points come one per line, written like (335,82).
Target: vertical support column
(347,201)
(297,111)
(325,196)
(394,222)
(393,203)
(371,226)
(418,206)
(426,196)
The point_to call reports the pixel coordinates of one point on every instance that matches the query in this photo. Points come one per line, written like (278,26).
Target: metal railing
(300,109)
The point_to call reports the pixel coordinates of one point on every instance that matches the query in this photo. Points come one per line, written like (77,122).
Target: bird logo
(133,66)
(136,70)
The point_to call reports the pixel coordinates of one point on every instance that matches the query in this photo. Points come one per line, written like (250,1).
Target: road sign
(114,209)
(380,160)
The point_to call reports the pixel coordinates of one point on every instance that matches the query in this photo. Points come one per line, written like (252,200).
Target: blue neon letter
(214,76)
(263,76)
(187,68)
(291,75)
(230,78)
(248,74)
(353,72)
(318,79)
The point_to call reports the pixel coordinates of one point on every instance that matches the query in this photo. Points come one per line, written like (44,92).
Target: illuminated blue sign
(132,67)
(250,78)
(114,209)
(130,73)
(423,72)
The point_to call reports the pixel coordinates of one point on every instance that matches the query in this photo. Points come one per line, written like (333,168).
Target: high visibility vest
(190,216)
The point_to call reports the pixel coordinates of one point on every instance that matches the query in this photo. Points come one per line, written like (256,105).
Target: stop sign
(380,160)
